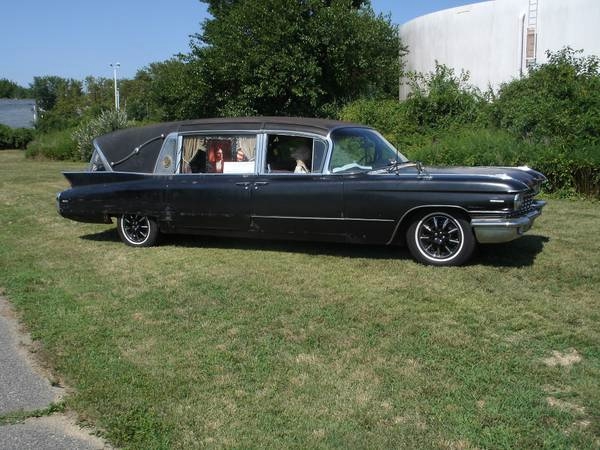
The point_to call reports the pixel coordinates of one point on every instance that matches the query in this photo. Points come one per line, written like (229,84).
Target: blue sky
(77,38)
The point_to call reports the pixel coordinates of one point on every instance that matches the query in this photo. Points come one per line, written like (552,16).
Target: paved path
(23,388)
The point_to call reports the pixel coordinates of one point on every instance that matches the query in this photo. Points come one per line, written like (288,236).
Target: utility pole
(115,66)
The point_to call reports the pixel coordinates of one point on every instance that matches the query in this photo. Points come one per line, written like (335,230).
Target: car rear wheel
(137,231)
(441,239)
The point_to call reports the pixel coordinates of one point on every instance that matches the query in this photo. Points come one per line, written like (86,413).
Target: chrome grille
(526,206)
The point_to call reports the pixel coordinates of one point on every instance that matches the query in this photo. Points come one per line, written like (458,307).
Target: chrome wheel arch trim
(410,211)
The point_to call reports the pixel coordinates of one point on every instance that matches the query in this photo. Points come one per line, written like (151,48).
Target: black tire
(441,239)
(137,231)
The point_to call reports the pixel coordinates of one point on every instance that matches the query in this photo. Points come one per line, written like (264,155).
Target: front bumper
(489,231)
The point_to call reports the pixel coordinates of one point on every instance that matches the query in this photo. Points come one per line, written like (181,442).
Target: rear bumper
(65,209)
(489,231)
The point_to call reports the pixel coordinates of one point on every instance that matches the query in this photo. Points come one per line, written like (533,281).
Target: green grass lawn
(204,342)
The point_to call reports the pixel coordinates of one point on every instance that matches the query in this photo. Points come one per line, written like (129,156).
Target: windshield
(361,149)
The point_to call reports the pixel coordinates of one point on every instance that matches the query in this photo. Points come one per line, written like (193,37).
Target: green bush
(438,101)
(558,102)
(22,137)
(571,169)
(442,99)
(471,146)
(5,137)
(569,172)
(106,122)
(54,145)
(15,138)
(390,117)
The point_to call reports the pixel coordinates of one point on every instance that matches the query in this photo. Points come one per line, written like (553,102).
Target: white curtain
(248,146)
(191,146)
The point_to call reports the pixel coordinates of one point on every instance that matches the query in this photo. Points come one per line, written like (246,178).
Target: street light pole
(115,66)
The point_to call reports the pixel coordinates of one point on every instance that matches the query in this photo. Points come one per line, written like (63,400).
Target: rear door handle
(246,184)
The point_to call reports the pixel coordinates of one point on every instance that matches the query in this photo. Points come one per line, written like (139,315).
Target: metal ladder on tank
(531,43)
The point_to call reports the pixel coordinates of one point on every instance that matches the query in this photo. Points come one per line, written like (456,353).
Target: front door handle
(260,183)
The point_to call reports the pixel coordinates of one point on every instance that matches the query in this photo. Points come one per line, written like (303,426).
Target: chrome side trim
(490,212)
(340,219)
(488,231)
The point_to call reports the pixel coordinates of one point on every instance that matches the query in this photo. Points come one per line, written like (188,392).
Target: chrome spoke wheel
(137,230)
(439,236)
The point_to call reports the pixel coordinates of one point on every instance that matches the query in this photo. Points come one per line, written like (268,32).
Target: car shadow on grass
(270,245)
(519,253)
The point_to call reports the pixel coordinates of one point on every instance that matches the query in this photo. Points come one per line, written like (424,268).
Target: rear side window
(218,154)
(166,161)
(96,163)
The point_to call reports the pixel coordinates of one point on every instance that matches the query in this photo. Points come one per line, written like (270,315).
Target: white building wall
(575,23)
(488,39)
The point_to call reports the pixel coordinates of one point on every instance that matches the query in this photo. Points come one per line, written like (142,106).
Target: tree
(217,7)
(168,90)
(10,89)
(136,98)
(99,93)
(176,90)
(303,57)
(45,90)
(61,100)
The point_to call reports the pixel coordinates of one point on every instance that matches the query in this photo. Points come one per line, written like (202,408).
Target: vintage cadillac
(295,178)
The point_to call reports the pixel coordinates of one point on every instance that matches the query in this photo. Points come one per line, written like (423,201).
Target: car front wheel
(441,239)
(137,231)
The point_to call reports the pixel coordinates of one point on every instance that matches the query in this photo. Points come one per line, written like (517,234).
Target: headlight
(518,201)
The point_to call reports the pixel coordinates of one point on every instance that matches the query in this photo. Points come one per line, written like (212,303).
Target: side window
(218,154)
(361,149)
(165,163)
(294,154)
(352,150)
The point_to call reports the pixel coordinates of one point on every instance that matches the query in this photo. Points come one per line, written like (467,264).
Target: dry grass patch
(563,359)
(565,406)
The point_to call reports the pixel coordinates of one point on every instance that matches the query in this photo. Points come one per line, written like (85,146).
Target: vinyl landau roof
(119,144)
(303,124)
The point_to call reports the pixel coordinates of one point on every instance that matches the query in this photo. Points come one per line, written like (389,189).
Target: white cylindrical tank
(495,40)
